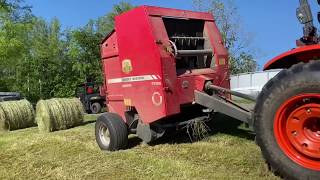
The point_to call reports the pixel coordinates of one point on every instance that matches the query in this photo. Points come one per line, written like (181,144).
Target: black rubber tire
(95,108)
(118,132)
(299,79)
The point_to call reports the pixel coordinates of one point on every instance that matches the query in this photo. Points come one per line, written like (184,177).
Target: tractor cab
(310,32)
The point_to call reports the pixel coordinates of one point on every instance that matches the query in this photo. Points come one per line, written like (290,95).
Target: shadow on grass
(89,119)
(133,142)
(221,124)
(87,122)
(227,125)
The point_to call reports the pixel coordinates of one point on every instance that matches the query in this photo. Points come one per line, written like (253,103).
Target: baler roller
(194,52)
(186,38)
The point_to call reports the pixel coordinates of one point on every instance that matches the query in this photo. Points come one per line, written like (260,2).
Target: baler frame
(190,68)
(183,60)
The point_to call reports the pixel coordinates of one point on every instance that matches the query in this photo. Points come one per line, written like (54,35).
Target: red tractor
(89,94)
(164,68)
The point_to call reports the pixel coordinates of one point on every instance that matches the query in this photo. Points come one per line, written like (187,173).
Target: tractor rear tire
(287,122)
(111,132)
(95,108)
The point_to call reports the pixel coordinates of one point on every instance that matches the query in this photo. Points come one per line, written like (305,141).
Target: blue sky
(272,23)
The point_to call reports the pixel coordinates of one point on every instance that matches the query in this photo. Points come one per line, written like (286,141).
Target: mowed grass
(229,153)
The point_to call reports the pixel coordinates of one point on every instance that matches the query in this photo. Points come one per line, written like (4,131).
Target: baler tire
(117,131)
(95,108)
(271,103)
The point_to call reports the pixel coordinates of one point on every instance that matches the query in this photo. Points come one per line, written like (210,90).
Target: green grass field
(229,153)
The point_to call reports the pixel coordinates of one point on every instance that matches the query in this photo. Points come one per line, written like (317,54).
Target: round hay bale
(59,114)
(3,125)
(16,115)
(43,118)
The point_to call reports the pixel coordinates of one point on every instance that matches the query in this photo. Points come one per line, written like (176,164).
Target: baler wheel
(111,132)
(287,122)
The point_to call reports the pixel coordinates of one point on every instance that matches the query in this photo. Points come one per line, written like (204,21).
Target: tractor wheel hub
(297,129)
(303,129)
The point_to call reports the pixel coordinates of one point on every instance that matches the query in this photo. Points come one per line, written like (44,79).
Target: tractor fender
(294,56)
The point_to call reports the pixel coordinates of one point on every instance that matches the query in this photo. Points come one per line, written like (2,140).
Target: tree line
(42,60)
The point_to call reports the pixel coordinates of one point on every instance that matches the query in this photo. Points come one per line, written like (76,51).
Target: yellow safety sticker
(127,66)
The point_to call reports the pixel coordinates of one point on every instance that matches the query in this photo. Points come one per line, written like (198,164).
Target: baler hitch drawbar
(223,105)
(210,86)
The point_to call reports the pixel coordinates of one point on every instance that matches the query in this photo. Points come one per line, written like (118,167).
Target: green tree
(84,51)
(15,22)
(84,44)
(41,60)
(244,63)
(47,54)
(15,10)
(236,40)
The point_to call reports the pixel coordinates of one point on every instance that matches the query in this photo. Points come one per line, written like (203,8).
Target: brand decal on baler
(134,79)
(126,66)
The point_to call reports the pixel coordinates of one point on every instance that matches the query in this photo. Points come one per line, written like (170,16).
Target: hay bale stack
(59,114)
(16,115)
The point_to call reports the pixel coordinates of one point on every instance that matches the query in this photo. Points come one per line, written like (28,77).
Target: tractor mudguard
(294,56)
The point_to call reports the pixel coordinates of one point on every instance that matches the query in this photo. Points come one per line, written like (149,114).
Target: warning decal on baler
(134,79)
(157,99)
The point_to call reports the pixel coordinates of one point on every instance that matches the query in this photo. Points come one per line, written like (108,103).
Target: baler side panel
(109,48)
(169,74)
(111,66)
(220,54)
(113,90)
(137,45)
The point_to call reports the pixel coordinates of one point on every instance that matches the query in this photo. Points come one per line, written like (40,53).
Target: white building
(252,83)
